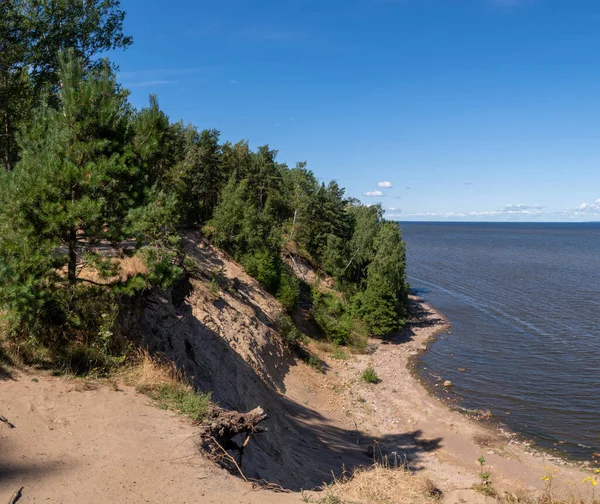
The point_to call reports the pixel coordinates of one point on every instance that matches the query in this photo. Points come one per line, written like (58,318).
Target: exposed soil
(74,445)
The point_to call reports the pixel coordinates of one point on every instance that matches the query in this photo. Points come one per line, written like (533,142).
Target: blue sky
(458,109)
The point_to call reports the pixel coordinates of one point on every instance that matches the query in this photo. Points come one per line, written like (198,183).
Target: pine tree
(73,186)
(32,34)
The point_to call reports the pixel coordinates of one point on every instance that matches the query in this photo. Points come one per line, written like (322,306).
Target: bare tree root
(217,437)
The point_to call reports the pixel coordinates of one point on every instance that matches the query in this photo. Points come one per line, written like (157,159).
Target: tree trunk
(6,133)
(7,153)
(72,268)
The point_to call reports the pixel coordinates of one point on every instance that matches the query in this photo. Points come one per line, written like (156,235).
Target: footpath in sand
(73,445)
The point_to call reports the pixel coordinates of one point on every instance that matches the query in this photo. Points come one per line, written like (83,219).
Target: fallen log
(217,437)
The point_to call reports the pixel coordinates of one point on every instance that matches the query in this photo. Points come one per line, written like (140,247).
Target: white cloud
(443,215)
(509,211)
(522,208)
(384,185)
(373,194)
(586,211)
(592,208)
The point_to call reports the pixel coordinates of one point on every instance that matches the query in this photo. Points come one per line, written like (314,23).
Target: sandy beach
(452,441)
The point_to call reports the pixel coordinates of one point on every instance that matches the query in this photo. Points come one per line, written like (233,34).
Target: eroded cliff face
(218,328)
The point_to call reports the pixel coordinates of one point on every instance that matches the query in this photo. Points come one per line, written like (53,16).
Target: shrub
(378,310)
(289,290)
(338,353)
(265,267)
(369,375)
(332,317)
(288,330)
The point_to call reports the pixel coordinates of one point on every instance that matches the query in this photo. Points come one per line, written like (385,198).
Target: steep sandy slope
(224,340)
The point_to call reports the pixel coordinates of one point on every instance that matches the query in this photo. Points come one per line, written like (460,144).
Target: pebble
(447,383)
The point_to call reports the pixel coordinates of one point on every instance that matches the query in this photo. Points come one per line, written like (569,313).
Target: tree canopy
(90,181)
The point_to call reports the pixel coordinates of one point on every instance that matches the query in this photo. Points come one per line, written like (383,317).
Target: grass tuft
(369,375)
(163,383)
(382,483)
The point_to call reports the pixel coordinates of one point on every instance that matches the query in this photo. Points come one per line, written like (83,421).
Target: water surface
(524,302)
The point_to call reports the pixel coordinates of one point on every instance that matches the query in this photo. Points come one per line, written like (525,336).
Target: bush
(288,330)
(378,310)
(369,375)
(288,292)
(333,317)
(265,267)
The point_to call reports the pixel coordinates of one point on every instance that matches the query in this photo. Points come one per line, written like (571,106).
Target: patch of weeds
(160,380)
(339,353)
(314,362)
(85,385)
(337,388)
(184,400)
(369,375)
(214,287)
(485,485)
(288,330)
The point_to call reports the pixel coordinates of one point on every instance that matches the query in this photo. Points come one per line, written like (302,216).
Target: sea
(524,303)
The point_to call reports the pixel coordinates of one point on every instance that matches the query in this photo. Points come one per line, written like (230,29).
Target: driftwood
(16,496)
(217,437)
(4,420)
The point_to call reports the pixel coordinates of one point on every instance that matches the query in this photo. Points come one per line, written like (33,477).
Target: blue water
(524,303)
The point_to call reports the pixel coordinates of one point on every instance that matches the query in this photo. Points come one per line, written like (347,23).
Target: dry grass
(128,267)
(382,484)
(148,373)
(162,382)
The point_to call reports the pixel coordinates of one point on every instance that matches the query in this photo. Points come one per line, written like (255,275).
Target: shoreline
(402,405)
(484,416)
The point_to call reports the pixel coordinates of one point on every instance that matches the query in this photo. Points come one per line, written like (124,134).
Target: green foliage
(339,353)
(265,266)
(485,485)
(369,375)
(91,180)
(197,178)
(33,32)
(288,291)
(74,194)
(288,330)
(163,270)
(377,308)
(184,400)
(333,317)
(238,225)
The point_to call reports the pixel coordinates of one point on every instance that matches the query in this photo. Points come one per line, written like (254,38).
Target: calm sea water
(524,302)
